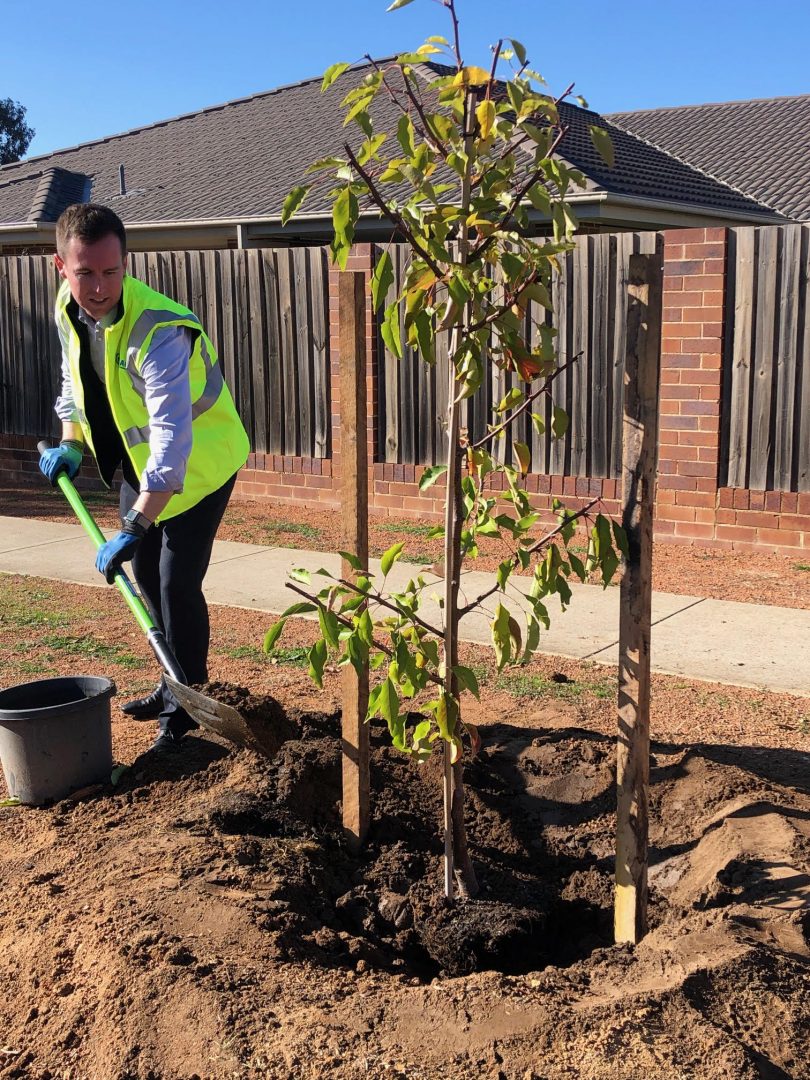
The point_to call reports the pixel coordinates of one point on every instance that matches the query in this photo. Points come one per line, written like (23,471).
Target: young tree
(475,150)
(15,134)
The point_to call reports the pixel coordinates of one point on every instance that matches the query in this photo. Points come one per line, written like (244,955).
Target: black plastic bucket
(55,736)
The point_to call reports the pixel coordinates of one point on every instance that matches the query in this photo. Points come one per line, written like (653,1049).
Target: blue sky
(84,71)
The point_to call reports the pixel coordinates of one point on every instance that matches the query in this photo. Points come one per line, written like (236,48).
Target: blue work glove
(66,457)
(116,551)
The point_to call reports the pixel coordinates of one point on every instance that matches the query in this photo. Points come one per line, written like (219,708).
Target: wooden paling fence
(589,296)
(765,435)
(266,311)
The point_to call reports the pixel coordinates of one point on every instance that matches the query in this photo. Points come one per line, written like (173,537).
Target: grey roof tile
(239,160)
(760,147)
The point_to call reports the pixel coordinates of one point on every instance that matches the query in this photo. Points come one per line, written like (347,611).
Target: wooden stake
(640,433)
(354,474)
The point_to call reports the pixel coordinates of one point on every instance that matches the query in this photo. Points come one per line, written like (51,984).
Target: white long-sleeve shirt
(166,394)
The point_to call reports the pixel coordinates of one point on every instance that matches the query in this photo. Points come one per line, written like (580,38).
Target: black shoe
(145,708)
(165,744)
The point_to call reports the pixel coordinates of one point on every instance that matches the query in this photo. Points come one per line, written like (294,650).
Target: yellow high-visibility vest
(220,443)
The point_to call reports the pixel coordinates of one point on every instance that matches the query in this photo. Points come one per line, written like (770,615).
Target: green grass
(298,528)
(406,528)
(294,656)
(85,645)
(801,566)
(525,686)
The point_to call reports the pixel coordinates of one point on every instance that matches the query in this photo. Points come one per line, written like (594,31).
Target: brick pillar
(361,258)
(691,383)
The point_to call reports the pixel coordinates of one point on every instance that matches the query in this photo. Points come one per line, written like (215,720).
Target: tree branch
(347,623)
(390,212)
(544,389)
(531,550)
(379,599)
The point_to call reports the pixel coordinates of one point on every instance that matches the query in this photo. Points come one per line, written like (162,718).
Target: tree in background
(15,134)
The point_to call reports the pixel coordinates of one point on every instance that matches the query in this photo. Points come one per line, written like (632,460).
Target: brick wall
(690,508)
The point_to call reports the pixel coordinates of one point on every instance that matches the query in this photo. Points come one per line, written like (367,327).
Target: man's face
(94,272)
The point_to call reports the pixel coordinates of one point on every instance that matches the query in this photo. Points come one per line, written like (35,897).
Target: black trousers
(169,567)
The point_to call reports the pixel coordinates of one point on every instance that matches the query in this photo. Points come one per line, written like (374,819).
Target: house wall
(691,507)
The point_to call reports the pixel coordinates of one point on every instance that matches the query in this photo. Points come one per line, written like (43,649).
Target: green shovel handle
(156,638)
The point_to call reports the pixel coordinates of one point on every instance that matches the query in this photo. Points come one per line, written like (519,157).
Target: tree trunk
(457,860)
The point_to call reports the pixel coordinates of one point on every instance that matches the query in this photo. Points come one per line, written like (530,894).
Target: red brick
(756,500)
(680,423)
(797,522)
(759,519)
(736,532)
(773,501)
(780,537)
(680,513)
(790,502)
(705,250)
(698,468)
(682,267)
(704,499)
(695,530)
(703,439)
(726,517)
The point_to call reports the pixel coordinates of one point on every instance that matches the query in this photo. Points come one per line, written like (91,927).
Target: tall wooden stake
(354,473)
(640,434)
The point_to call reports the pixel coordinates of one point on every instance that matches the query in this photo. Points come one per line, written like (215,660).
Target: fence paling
(265,310)
(588,297)
(765,428)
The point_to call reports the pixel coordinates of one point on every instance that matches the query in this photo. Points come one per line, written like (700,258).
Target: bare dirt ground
(203,918)
(748,577)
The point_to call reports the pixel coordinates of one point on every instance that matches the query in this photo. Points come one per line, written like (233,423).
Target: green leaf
(577,566)
(352,560)
(381,280)
(520,51)
(405,135)
(504,570)
(365,628)
(317,659)
(559,423)
(330,628)
(332,74)
(389,329)
(325,163)
(466,676)
(293,202)
(272,635)
(523,457)
(431,475)
(620,536)
(603,145)
(388,700)
(344,215)
(532,637)
(390,557)
(299,574)
(370,147)
(500,637)
(298,609)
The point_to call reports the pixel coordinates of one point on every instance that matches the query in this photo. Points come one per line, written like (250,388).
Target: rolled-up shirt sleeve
(167,395)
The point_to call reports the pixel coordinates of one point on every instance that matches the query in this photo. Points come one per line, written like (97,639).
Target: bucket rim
(104,689)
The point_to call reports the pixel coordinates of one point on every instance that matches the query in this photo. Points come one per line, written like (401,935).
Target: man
(142,389)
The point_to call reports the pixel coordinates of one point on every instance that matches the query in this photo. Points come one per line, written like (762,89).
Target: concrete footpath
(719,641)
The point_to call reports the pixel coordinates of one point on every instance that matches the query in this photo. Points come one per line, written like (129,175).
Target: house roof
(237,162)
(761,148)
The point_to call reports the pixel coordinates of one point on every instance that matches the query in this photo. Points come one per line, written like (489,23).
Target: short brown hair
(88,222)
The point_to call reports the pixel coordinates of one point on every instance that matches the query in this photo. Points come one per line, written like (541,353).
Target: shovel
(214,715)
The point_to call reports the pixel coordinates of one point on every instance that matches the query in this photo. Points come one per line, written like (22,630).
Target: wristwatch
(136,522)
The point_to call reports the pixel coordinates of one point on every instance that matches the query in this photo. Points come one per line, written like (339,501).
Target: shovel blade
(224,720)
